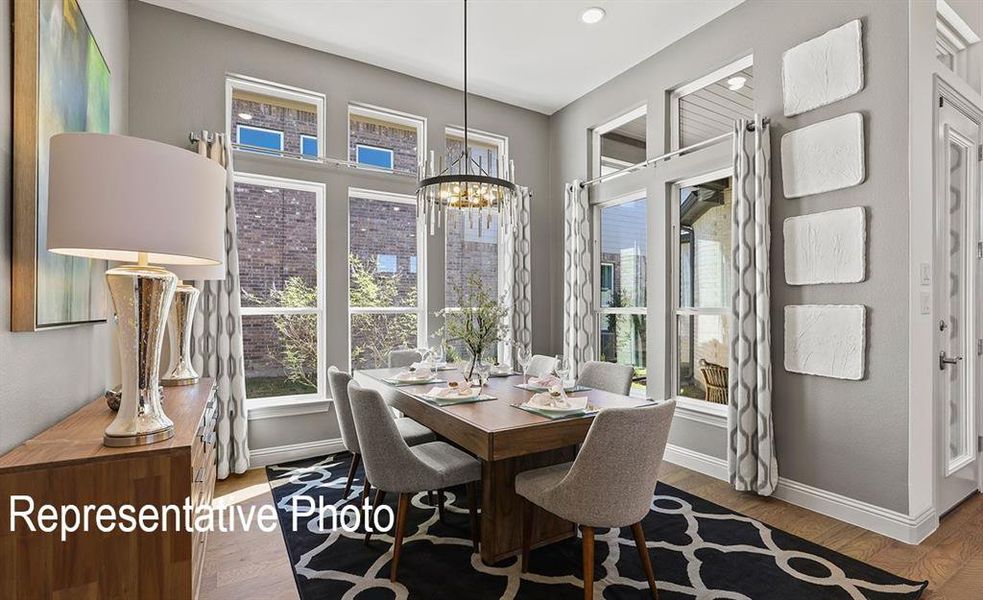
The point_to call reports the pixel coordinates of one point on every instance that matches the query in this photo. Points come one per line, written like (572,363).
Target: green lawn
(266,387)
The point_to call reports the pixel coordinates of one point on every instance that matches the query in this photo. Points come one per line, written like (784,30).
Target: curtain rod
(666,156)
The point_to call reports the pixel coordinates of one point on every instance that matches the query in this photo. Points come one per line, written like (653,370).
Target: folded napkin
(413,375)
(562,401)
(461,391)
(548,381)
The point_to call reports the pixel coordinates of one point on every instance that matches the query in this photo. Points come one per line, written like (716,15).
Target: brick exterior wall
(291,121)
(402,140)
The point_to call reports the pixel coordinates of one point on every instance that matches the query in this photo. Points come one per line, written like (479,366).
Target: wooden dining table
(507,440)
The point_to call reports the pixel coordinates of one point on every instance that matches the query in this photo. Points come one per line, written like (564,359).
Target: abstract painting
(62,83)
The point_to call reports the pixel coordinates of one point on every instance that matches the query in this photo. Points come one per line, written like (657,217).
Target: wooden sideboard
(68,465)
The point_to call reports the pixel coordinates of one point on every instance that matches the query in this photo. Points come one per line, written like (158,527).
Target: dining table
(507,440)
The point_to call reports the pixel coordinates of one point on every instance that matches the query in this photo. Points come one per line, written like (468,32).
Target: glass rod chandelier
(465,183)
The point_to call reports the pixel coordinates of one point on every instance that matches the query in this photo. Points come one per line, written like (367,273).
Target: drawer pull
(200,475)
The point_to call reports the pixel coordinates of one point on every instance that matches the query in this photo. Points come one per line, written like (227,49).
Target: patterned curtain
(518,274)
(217,331)
(578,316)
(751,448)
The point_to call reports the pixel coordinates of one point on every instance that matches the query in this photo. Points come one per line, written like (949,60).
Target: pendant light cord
(467,154)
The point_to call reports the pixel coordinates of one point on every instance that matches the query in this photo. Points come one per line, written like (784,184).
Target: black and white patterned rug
(699,550)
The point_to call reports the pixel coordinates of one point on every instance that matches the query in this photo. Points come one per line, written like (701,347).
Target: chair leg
(588,562)
(356,459)
(472,489)
(366,491)
(440,505)
(401,509)
(643,554)
(527,515)
(380,497)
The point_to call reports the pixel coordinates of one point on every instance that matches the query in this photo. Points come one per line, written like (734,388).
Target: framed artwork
(61,83)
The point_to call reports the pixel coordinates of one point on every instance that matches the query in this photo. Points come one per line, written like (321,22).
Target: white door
(958,233)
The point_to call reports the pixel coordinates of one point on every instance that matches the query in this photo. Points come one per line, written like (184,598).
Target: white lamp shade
(113,197)
(198,273)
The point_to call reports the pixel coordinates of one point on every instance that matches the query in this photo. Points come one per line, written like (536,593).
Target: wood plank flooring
(244,565)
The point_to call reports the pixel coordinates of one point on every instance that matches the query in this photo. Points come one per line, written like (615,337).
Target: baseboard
(261,457)
(893,524)
(697,461)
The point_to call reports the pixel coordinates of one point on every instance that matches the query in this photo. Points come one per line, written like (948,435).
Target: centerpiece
(479,324)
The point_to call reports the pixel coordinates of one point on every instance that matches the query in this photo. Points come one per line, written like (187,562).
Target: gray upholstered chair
(403,357)
(609,484)
(393,466)
(410,430)
(609,377)
(541,366)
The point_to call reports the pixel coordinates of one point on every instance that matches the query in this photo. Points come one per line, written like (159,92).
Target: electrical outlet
(926,303)
(925,271)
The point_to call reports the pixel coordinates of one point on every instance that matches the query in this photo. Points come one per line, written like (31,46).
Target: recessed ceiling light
(270,191)
(736,83)
(396,208)
(245,116)
(592,15)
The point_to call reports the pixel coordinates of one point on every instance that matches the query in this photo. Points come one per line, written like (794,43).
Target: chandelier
(465,183)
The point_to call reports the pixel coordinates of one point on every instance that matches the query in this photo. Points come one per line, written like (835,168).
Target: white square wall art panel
(826,340)
(823,70)
(826,156)
(826,247)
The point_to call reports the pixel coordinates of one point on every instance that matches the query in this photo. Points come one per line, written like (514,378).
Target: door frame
(973,361)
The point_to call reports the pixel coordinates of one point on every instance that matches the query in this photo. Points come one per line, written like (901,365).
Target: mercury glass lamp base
(180,320)
(140,439)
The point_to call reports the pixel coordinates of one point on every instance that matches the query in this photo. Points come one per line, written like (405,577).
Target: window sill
(700,411)
(289,406)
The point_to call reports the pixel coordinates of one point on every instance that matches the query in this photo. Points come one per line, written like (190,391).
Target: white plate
(554,410)
(418,380)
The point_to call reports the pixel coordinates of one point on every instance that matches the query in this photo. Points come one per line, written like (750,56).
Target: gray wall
(179,66)
(44,376)
(841,436)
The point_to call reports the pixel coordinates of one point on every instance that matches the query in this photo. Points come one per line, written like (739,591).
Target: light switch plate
(925,272)
(925,303)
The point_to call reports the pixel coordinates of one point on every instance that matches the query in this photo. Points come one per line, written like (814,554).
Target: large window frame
(675,310)
(279,148)
(396,117)
(694,86)
(420,310)
(501,142)
(272,89)
(601,311)
(319,191)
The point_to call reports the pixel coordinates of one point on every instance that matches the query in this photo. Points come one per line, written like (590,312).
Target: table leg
(501,507)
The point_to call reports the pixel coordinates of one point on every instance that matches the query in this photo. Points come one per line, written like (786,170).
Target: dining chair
(609,377)
(410,431)
(610,484)
(393,466)
(541,366)
(404,357)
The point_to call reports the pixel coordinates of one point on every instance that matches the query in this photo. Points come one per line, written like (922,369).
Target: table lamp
(128,199)
(180,320)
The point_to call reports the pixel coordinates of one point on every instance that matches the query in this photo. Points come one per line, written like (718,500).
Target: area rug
(699,550)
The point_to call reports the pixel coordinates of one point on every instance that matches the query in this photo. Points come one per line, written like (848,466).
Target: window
(280,236)
(621,259)
(308,145)
(708,106)
(385,298)
(488,150)
(386,139)
(619,143)
(270,115)
(952,37)
(702,258)
(470,248)
(371,156)
(259,137)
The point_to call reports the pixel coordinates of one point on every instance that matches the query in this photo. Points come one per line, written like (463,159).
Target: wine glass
(562,368)
(524,356)
(437,354)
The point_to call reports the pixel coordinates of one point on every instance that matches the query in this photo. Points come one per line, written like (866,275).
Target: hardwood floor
(240,565)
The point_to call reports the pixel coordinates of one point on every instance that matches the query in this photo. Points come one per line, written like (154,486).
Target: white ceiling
(535,54)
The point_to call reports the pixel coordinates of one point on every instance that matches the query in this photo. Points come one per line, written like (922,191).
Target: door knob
(946,360)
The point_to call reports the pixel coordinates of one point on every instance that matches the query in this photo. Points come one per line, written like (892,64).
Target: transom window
(382,138)
(280,236)
(701,275)
(709,106)
(621,261)
(274,117)
(619,143)
(386,303)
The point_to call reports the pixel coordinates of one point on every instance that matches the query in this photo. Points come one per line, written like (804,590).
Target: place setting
(549,381)
(461,391)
